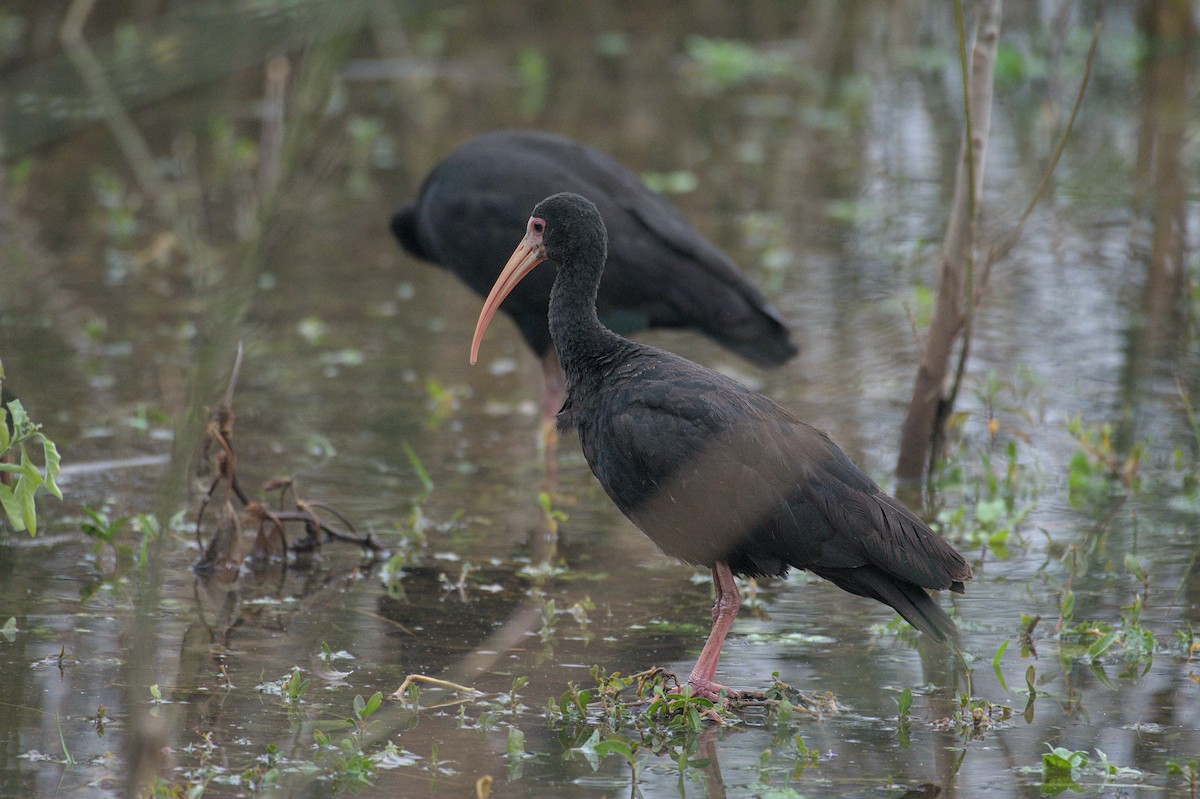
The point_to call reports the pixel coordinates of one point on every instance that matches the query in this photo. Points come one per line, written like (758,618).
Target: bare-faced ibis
(714,473)
(661,272)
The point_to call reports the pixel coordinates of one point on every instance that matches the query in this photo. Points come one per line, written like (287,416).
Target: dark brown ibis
(661,272)
(716,474)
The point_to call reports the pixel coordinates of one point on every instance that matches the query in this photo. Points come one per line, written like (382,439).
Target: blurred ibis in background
(661,272)
(716,474)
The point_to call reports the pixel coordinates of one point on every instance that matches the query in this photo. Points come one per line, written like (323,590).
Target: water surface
(817,147)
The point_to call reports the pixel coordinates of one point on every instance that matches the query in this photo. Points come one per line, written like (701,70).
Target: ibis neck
(583,343)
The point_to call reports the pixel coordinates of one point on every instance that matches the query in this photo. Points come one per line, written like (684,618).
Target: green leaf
(24,491)
(904,702)
(419,468)
(20,419)
(990,511)
(615,746)
(1067,606)
(588,749)
(996,664)
(373,704)
(999,545)
(515,746)
(1101,646)
(999,654)
(783,712)
(12,508)
(53,460)
(1134,566)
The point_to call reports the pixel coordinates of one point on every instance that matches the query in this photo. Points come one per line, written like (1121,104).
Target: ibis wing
(726,474)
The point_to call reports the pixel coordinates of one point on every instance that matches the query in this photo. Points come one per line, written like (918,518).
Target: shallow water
(826,178)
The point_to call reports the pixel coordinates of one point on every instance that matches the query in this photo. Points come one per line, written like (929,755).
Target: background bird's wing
(472,209)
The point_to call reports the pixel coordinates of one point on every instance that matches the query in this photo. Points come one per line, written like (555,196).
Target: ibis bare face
(529,253)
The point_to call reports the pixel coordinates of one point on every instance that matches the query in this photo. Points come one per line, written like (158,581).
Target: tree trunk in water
(953,309)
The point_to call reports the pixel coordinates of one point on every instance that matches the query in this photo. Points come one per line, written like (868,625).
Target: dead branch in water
(217,468)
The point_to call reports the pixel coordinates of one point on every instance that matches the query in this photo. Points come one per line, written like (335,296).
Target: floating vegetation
(1098,468)
(1065,769)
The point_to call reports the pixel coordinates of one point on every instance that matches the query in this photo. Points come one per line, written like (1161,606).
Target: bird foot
(711,690)
(729,698)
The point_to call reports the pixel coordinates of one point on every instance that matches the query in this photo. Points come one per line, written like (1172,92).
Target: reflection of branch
(270,147)
(129,139)
(998,251)
(525,618)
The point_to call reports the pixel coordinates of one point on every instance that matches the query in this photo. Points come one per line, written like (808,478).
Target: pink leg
(553,389)
(702,679)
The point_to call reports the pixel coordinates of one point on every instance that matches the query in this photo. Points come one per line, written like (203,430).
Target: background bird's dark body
(662,273)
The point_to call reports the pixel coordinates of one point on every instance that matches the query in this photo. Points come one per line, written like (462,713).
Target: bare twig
(218,466)
(401,692)
(1001,249)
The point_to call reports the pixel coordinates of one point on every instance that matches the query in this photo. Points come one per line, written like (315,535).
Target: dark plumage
(714,473)
(661,272)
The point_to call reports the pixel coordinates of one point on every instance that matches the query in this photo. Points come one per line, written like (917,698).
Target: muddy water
(821,147)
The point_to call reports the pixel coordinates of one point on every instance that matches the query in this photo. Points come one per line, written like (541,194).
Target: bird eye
(537,226)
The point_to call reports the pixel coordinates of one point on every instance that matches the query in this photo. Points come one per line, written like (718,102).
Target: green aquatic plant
(353,767)
(370,148)
(103,528)
(120,211)
(264,773)
(533,70)
(411,537)
(24,479)
(1189,770)
(903,722)
(290,687)
(1095,641)
(1061,769)
(992,471)
(550,514)
(616,699)
(443,402)
(726,63)
(904,704)
(681,181)
(1098,468)
(364,709)
(1065,769)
